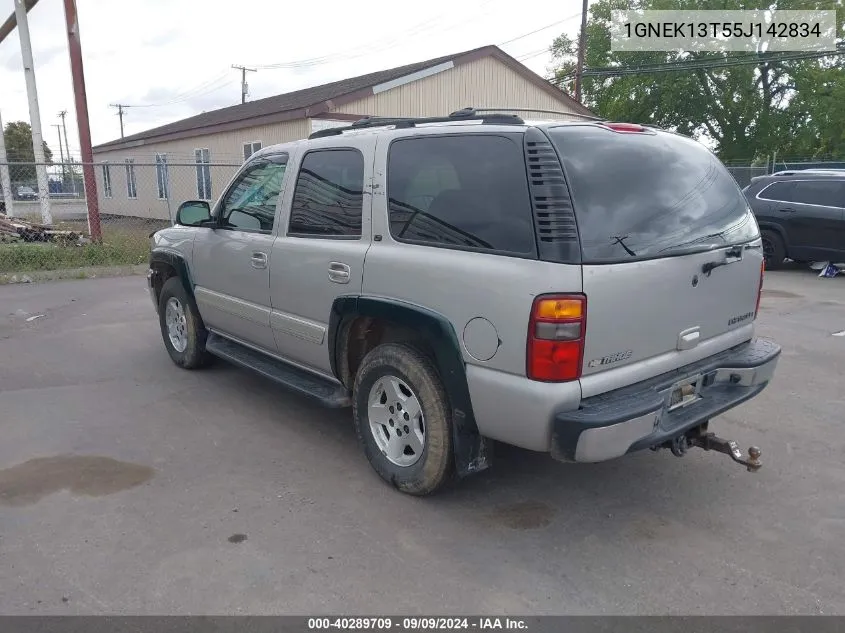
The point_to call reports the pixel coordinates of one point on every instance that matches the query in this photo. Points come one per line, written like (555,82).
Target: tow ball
(711,442)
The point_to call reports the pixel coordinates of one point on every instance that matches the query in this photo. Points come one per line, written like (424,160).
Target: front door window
(250,204)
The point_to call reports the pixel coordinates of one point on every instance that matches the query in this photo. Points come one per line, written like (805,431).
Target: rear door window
(649,195)
(460,191)
(328,200)
(824,193)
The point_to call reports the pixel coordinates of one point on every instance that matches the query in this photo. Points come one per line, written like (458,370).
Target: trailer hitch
(711,442)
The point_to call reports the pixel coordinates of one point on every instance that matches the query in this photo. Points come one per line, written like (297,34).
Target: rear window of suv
(649,195)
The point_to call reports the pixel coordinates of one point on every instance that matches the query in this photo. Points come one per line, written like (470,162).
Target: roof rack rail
(810,170)
(529,110)
(467,114)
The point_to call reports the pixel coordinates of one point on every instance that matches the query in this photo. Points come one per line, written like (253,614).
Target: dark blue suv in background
(801,214)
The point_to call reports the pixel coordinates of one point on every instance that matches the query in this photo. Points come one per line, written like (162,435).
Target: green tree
(18,137)
(792,107)
(818,112)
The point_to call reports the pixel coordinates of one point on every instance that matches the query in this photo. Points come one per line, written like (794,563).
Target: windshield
(648,195)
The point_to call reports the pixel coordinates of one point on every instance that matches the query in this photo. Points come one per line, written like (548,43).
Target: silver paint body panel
(650,308)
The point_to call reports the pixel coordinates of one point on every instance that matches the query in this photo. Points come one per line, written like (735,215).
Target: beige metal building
(150,173)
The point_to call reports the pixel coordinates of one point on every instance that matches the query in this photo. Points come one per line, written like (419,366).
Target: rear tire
(403,419)
(182,328)
(774,250)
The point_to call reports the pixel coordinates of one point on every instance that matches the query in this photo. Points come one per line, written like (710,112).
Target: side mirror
(193,213)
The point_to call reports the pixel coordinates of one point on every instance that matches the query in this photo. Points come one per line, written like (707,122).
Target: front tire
(403,419)
(182,328)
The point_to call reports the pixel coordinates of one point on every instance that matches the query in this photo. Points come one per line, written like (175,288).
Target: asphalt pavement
(129,486)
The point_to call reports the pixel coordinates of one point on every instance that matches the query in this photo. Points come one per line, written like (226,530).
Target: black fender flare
(472,450)
(774,228)
(177,263)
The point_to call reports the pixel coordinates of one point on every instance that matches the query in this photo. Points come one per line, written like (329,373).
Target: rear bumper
(639,416)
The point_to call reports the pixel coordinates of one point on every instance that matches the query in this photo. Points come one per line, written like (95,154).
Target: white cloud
(180,52)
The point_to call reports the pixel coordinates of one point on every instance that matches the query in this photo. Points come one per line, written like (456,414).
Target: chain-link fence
(744,173)
(50,230)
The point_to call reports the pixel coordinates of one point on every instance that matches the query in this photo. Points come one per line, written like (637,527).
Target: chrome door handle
(339,273)
(259,260)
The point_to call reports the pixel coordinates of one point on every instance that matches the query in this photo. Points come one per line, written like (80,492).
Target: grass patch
(125,241)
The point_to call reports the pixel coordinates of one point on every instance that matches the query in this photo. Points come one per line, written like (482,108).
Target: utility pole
(244,88)
(34,113)
(120,108)
(82,124)
(582,45)
(61,154)
(5,181)
(63,114)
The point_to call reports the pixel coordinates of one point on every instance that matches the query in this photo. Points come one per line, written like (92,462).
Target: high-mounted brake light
(760,288)
(556,332)
(625,128)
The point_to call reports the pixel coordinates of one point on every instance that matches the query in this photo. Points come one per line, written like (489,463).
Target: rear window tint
(460,191)
(649,195)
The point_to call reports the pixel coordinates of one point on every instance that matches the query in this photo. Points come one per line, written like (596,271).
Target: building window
(162,177)
(131,187)
(328,199)
(250,149)
(202,157)
(106,181)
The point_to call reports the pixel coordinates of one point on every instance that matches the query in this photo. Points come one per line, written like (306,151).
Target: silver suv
(585,289)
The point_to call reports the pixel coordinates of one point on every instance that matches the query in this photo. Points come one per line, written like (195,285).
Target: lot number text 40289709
(417,623)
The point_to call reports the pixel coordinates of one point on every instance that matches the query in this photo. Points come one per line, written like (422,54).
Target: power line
(373,47)
(191,93)
(705,64)
(355,52)
(533,54)
(702,64)
(542,28)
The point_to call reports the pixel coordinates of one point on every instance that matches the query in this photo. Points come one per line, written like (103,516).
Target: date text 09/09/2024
(416,623)
(722,29)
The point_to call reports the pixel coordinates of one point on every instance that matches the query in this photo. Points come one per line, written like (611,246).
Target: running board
(327,393)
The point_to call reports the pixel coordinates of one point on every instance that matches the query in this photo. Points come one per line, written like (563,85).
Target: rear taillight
(556,332)
(760,288)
